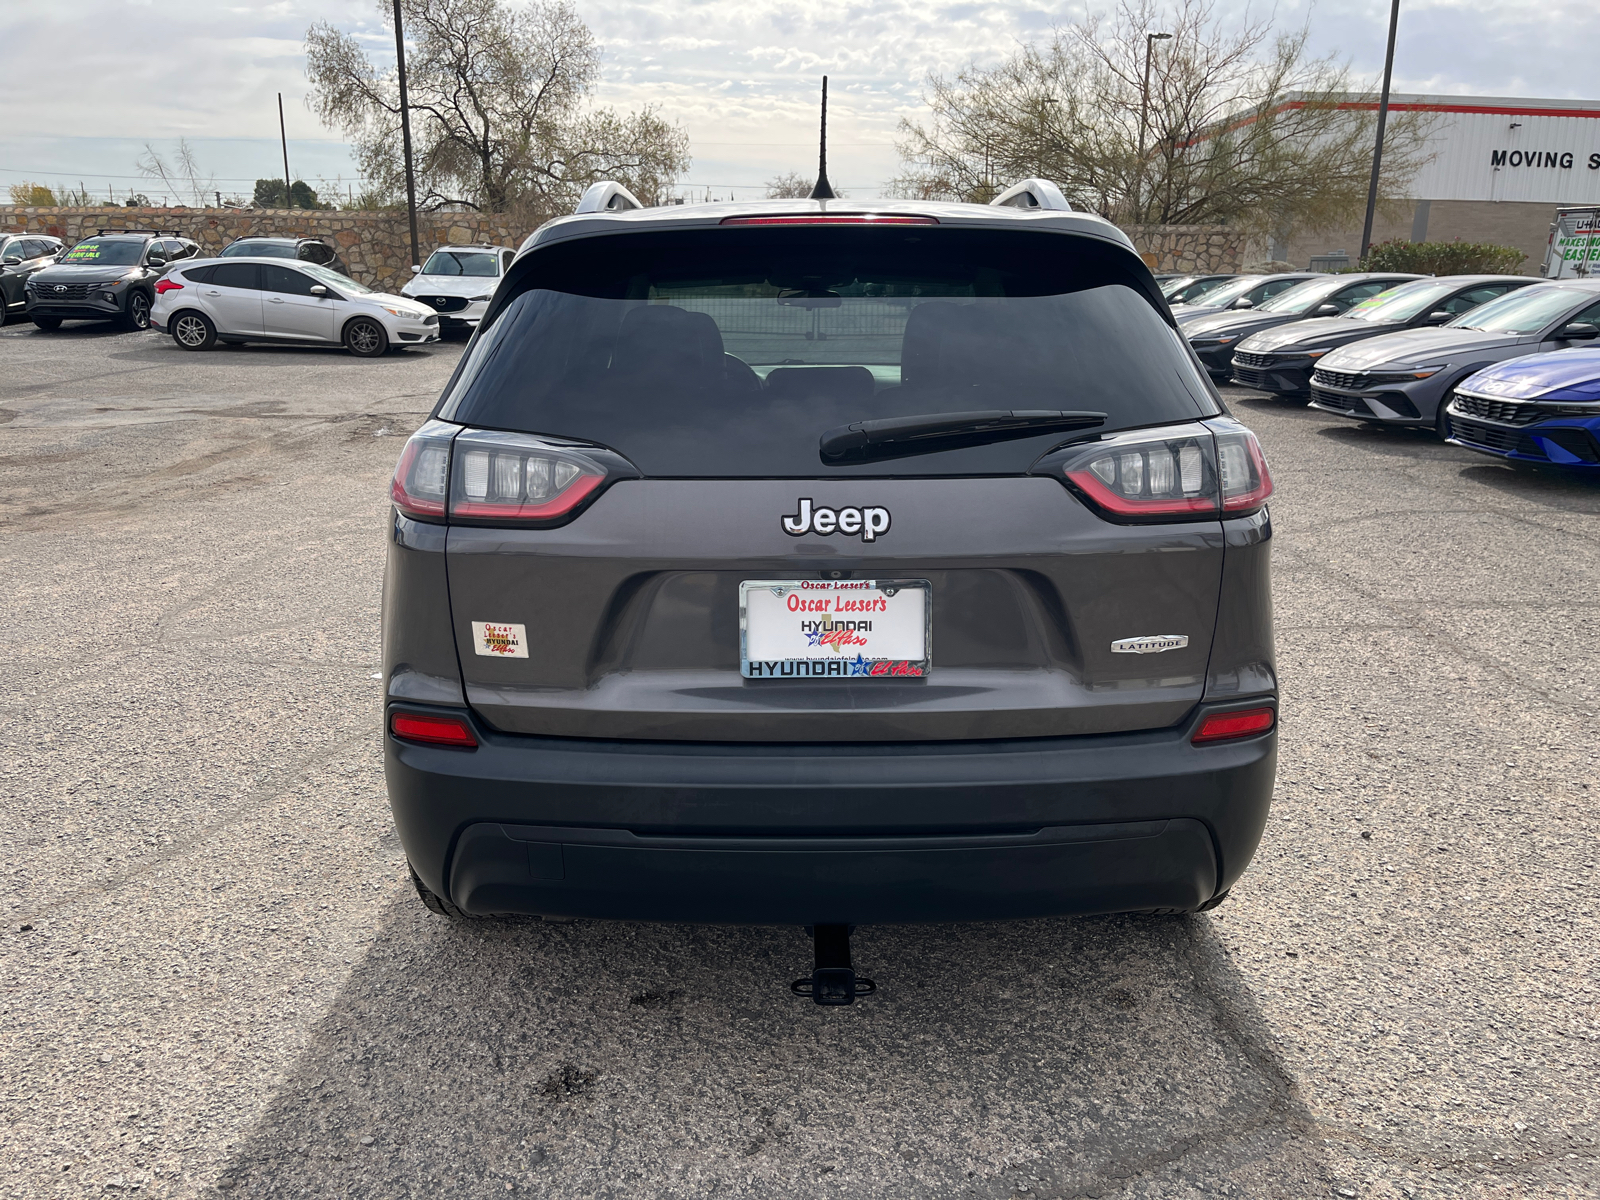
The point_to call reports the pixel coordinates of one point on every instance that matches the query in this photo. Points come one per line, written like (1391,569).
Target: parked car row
(257,289)
(1502,364)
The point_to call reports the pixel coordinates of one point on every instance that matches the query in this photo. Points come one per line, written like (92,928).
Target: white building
(1500,168)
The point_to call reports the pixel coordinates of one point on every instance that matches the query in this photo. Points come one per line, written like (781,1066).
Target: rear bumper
(842,833)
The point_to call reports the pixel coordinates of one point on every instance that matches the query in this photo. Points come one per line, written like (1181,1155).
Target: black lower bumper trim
(609,873)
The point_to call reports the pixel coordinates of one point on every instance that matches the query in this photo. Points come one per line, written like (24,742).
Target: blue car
(1543,408)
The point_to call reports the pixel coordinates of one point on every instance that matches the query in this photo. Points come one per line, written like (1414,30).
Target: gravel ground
(217,980)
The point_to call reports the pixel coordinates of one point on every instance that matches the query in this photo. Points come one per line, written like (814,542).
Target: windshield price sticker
(83,251)
(834,629)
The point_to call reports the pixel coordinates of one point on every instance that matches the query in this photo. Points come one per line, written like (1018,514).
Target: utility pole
(1383,119)
(405,131)
(288,196)
(1150,39)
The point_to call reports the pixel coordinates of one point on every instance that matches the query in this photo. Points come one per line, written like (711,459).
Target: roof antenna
(824,189)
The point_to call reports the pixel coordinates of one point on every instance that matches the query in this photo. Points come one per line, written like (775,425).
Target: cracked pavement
(217,981)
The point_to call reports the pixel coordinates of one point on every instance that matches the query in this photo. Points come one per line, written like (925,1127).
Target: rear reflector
(436,731)
(832,219)
(1222,727)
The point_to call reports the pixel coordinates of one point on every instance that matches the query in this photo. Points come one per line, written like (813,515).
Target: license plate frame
(911,657)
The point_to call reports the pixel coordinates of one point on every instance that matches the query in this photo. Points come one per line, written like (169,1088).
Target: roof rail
(609,196)
(157,232)
(1033,193)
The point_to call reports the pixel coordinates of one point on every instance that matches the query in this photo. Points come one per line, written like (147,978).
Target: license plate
(834,629)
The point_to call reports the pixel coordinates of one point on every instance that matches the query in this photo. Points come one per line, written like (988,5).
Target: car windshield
(261,249)
(1227,291)
(1303,297)
(461,262)
(1523,312)
(728,353)
(1404,302)
(1198,292)
(333,279)
(109,252)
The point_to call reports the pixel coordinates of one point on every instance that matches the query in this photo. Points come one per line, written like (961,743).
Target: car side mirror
(1575,330)
(11,260)
(1326,310)
(1440,317)
(1243,302)
(415,269)
(318,290)
(155,260)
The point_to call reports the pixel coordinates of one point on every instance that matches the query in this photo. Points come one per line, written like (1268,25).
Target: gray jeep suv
(803,564)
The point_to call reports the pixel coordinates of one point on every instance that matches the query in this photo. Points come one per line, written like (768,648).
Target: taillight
(1223,727)
(831,219)
(1195,472)
(1242,468)
(422,479)
(163,286)
(515,478)
(1135,478)
(433,730)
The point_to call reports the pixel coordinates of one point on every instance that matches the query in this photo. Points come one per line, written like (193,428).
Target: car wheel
(138,314)
(48,324)
(366,338)
(434,902)
(193,331)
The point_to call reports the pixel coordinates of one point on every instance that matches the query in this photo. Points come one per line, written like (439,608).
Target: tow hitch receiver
(833,981)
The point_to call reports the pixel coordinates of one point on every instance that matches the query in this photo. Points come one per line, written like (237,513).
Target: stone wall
(1198,248)
(376,245)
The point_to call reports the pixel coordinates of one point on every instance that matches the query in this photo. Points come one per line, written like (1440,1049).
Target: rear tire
(193,331)
(434,902)
(1213,902)
(137,318)
(48,324)
(365,337)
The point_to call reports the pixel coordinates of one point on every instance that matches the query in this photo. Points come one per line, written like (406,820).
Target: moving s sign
(1540,158)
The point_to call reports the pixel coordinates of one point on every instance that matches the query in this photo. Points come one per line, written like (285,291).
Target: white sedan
(237,300)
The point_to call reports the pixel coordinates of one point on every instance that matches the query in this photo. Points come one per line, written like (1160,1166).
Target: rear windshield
(260,250)
(729,352)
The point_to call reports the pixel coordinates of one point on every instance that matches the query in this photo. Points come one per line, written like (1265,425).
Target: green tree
(499,109)
(269,194)
(1237,126)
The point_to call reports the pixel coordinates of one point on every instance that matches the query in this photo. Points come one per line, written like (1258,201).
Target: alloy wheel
(190,330)
(365,337)
(139,310)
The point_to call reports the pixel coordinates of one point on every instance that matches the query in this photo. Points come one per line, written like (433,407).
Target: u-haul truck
(1573,251)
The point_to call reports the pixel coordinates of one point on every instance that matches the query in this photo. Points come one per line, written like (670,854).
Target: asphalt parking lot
(218,981)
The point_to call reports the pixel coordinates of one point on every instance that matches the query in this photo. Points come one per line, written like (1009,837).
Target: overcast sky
(87,82)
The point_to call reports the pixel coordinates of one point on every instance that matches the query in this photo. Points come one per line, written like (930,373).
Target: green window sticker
(84,252)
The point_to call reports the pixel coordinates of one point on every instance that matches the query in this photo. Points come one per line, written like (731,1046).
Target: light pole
(1150,39)
(1038,153)
(1383,119)
(405,131)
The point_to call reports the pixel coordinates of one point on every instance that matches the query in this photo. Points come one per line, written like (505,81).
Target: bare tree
(1237,125)
(499,109)
(792,185)
(182,177)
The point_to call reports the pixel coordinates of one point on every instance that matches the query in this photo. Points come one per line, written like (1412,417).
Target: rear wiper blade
(898,437)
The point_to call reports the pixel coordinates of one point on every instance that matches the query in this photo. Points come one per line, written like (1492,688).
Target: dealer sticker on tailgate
(834,629)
